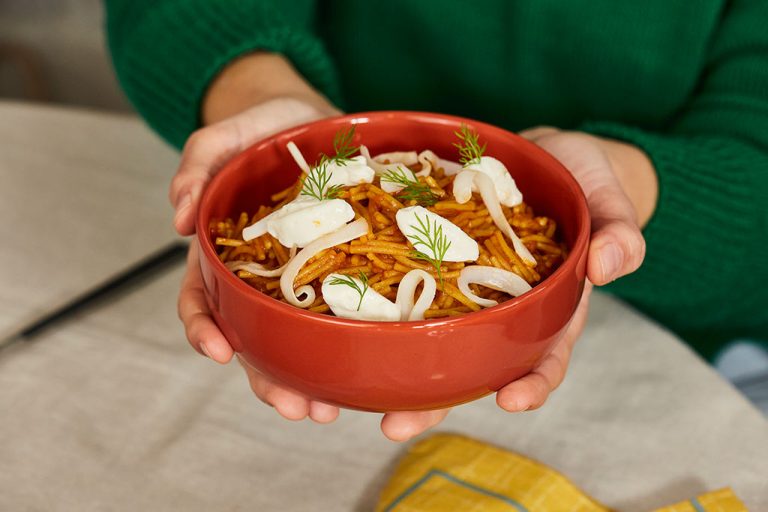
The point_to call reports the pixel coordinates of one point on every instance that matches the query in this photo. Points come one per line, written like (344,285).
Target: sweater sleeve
(166,52)
(706,267)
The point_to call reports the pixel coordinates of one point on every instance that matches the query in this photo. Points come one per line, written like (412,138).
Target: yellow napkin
(455,473)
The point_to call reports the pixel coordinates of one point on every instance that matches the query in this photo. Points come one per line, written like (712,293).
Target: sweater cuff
(708,227)
(167,59)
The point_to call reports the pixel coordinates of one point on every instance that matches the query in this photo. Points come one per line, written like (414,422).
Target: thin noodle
(377,249)
(384,255)
(325,265)
(379,262)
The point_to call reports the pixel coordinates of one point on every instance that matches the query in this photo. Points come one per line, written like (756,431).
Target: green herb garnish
(432,238)
(316,183)
(350,281)
(342,146)
(470,149)
(412,189)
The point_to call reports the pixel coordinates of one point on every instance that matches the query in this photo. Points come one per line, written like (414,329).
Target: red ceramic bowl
(378,366)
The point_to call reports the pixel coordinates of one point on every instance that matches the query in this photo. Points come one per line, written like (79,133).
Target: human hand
(210,147)
(205,337)
(241,115)
(606,171)
(206,151)
(203,157)
(254,97)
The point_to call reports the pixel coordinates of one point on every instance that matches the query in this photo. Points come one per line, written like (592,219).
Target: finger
(531,391)
(617,246)
(202,333)
(205,152)
(403,425)
(288,403)
(320,412)
(208,149)
(537,132)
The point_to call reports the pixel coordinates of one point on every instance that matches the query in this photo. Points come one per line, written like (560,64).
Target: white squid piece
(406,291)
(506,189)
(490,277)
(258,269)
(429,160)
(462,191)
(302,221)
(346,302)
(349,232)
(353,171)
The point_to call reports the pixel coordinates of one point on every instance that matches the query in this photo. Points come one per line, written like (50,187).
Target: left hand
(606,171)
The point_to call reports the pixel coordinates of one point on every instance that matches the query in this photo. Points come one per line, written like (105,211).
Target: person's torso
(525,62)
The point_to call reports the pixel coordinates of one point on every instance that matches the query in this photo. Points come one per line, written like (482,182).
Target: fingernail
(205,351)
(518,406)
(610,261)
(522,407)
(184,201)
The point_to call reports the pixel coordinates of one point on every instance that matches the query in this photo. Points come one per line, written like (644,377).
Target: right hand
(255,96)
(210,147)
(205,153)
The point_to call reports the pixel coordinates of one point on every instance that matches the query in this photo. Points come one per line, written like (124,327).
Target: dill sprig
(412,189)
(350,281)
(342,146)
(469,148)
(316,183)
(432,238)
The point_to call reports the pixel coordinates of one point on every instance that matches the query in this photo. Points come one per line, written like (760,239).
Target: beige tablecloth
(113,411)
(82,197)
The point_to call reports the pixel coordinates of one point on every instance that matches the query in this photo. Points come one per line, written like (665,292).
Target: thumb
(208,149)
(617,246)
(204,154)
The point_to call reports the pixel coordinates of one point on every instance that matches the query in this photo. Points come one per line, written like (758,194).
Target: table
(112,410)
(82,197)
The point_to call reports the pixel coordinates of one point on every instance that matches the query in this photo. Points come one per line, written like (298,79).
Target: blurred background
(54,51)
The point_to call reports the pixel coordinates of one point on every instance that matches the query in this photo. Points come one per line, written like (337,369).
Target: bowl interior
(249,179)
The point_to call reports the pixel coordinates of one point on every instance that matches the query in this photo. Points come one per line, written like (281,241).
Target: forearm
(253,79)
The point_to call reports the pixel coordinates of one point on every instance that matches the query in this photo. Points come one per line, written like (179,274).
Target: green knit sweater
(685,81)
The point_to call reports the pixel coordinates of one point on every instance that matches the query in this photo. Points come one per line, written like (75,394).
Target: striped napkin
(448,472)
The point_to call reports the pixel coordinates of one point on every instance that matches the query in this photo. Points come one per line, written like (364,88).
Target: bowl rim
(208,251)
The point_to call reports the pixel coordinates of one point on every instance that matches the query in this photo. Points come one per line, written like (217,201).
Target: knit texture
(167,52)
(687,82)
(705,265)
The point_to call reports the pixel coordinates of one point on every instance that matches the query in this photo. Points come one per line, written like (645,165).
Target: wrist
(253,79)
